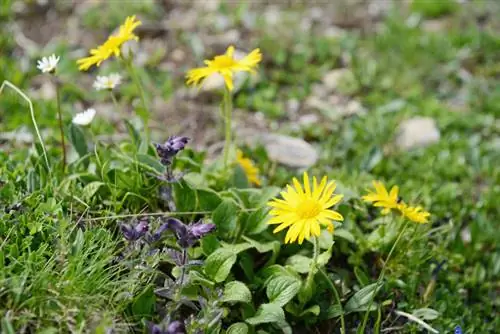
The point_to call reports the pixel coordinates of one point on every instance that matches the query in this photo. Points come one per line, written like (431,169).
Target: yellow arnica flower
(389,200)
(112,46)
(225,65)
(382,198)
(303,210)
(415,214)
(251,172)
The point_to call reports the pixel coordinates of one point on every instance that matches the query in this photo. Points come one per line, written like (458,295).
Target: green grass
(59,239)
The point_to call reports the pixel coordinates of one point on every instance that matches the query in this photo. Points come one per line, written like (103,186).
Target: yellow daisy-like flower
(225,65)
(112,46)
(251,171)
(304,210)
(382,198)
(389,201)
(415,214)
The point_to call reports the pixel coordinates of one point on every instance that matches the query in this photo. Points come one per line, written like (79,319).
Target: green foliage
(65,267)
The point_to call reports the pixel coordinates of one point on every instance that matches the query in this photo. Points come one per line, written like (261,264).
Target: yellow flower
(303,210)
(251,172)
(112,46)
(225,65)
(389,200)
(415,214)
(382,198)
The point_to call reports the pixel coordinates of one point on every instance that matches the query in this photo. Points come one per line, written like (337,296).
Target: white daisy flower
(85,117)
(48,64)
(107,82)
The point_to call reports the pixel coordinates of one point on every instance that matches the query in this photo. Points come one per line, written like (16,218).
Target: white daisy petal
(107,82)
(48,64)
(85,117)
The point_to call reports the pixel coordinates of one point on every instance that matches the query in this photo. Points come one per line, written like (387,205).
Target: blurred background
(404,91)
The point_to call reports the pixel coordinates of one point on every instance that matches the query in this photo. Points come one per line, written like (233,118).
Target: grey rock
(417,132)
(289,151)
(332,78)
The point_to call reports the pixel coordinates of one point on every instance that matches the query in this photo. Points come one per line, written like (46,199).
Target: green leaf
(209,244)
(151,163)
(333,311)
(225,217)
(185,196)
(263,196)
(360,300)
(256,222)
(77,139)
(237,248)
(325,239)
(144,303)
(208,200)
(314,310)
(324,257)
(134,134)
(361,276)
(267,313)
(426,313)
(239,179)
(281,289)
(90,189)
(238,328)
(237,291)
(344,234)
(299,263)
(218,264)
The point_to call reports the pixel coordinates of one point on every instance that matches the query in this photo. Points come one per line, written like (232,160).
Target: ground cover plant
(225,167)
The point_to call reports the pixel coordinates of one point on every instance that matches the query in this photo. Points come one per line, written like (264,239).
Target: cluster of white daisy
(109,82)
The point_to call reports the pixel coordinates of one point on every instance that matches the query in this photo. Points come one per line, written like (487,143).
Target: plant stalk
(59,114)
(337,298)
(227,110)
(381,277)
(137,83)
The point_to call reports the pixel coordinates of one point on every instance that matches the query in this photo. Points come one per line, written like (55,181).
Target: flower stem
(312,269)
(137,82)
(183,269)
(115,102)
(381,277)
(63,144)
(227,109)
(337,298)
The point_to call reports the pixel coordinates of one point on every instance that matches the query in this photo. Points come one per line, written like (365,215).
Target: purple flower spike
(199,229)
(132,233)
(172,146)
(176,327)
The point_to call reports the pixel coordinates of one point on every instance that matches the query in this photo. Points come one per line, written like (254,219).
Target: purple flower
(132,233)
(186,235)
(176,327)
(199,229)
(458,330)
(172,146)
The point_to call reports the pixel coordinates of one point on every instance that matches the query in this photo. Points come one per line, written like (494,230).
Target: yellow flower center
(223,62)
(308,208)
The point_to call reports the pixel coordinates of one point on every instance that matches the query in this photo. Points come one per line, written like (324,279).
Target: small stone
(289,151)
(466,235)
(293,106)
(47,91)
(417,132)
(178,55)
(21,135)
(308,119)
(331,79)
(436,25)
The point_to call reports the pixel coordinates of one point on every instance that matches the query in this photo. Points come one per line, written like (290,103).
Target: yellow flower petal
(226,65)
(304,210)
